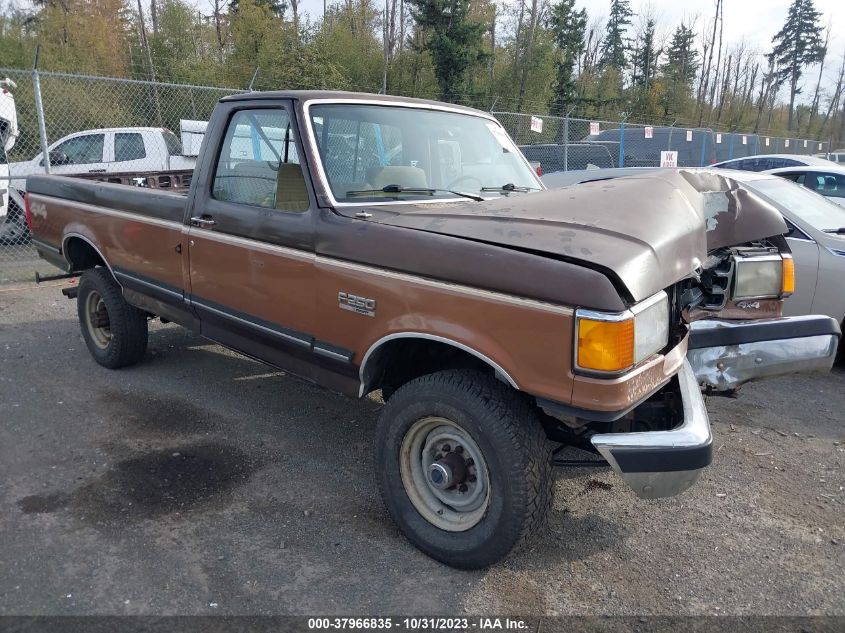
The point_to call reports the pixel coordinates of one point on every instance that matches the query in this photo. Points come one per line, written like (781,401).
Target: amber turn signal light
(788,275)
(605,345)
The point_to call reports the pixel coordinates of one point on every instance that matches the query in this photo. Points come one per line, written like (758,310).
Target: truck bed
(107,211)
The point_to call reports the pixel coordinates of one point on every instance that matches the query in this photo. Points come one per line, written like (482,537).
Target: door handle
(204,221)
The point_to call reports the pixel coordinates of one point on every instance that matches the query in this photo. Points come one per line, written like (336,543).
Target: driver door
(250,239)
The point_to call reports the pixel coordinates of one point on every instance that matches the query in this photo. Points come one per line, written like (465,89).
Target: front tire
(114,331)
(463,467)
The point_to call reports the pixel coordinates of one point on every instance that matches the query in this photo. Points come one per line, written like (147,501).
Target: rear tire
(504,487)
(114,331)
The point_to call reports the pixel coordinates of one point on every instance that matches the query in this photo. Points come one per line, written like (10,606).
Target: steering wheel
(454,183)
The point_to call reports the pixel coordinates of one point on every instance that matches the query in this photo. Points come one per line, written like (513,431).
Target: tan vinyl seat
(291,191)
(402,175)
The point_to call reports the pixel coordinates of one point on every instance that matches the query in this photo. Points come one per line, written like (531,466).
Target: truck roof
(341,95)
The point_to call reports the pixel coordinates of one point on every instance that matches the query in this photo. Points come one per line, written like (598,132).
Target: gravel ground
(201,482)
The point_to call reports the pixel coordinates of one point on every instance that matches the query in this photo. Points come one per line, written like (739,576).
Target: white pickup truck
(8,136)
(108,151)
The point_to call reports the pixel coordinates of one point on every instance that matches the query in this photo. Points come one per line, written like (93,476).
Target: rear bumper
(663,463)
(725,354)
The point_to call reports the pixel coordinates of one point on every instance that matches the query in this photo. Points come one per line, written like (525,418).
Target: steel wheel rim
(95,312)
(453,509)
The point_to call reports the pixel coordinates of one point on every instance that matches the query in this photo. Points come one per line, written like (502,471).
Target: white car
(108,151)
(765,162)
(827,181)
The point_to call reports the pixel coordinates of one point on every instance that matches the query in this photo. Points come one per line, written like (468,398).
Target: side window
(80,150)
(831,185)
(794,177)
(129,146)
(258,163)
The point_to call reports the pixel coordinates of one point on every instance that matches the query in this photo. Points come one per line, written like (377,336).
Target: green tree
(568,27)
(455,42)
(797,45)
(614,46)
(680,70)
(644,58)
(276,7)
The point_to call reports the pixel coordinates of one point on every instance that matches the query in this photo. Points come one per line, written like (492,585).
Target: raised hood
(649,230)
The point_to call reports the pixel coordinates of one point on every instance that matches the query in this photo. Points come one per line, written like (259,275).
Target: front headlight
(764,276)
(614,342)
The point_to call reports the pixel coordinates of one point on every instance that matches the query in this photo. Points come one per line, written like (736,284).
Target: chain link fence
(127,131)
(148,134)
(569,143)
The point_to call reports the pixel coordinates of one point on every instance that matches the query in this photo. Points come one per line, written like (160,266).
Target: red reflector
(539,169)
(27,211)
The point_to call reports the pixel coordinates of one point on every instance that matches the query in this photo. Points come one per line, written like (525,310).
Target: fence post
(39,111)
(566,139)
(622,141)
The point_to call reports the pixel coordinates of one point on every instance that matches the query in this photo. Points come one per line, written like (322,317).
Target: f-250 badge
(354,303)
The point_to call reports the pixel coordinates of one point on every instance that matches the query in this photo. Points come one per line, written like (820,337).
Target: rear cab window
(172,143)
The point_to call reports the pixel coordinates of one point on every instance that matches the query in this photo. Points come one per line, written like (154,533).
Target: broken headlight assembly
(767,276)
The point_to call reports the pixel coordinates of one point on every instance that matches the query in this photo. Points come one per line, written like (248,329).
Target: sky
(755,20)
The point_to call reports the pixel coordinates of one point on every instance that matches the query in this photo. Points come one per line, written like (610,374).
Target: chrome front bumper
(726,354)
(663,463)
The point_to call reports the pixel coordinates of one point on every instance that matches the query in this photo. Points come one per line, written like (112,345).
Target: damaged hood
(648,231)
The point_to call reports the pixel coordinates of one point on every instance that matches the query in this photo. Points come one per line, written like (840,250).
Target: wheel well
(397,361)
(81,255)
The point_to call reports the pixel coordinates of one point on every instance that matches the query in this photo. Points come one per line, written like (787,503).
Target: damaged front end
(729,312)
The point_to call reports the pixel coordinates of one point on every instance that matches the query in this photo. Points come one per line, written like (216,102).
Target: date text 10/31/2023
(420,624)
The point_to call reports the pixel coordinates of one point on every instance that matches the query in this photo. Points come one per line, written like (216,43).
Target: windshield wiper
(510,187)
(839,231)
(414,191)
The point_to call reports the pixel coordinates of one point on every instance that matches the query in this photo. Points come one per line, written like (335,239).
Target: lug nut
(470,462)
(446,448)
(471,478)
(459,449)
(462,488)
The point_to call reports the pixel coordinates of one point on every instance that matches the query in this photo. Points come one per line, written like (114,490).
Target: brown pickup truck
(369,243)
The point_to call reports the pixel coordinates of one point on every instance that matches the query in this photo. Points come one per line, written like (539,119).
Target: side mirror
(59,158)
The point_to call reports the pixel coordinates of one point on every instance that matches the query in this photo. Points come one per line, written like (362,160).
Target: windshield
(367,148)
(810,207)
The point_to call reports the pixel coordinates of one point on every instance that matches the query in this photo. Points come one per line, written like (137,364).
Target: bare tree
(154,15)
(814,107)
(216,6)
(705,72)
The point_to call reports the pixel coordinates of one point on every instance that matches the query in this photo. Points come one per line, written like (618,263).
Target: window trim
(284,107)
